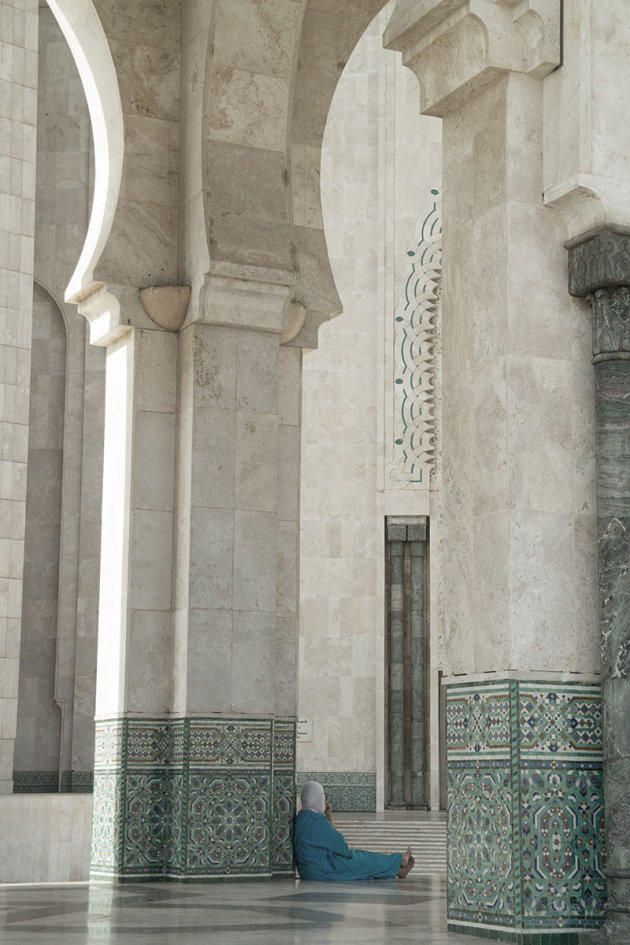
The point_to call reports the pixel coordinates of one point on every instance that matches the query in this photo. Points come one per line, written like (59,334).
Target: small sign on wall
(304,730)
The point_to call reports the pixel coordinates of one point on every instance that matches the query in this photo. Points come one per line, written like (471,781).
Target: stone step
(427,839)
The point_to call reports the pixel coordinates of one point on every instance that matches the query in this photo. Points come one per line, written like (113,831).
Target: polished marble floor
(282,912)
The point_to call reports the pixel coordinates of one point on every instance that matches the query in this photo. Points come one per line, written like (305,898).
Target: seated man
(322,853)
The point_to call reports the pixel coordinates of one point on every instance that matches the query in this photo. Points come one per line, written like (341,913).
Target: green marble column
(599,270)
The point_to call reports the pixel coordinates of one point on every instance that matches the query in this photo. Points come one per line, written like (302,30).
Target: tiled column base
(525,810)
(193,799)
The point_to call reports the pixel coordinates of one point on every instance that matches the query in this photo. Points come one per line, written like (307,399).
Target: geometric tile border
(193,799)
(50,782)
(347,791)
(525,810)
(35,782)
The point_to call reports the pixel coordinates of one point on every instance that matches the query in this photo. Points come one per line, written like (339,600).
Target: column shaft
(599,270)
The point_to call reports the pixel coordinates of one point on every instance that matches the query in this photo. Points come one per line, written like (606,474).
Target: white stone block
(256,461)
(254,561)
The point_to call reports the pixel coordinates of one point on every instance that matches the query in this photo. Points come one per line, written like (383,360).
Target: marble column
(599,270)
(197,635)
(417,545)
(518,574)
(18,53)
(396,667)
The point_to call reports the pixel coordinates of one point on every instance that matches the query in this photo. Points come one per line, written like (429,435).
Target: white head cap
(312,797)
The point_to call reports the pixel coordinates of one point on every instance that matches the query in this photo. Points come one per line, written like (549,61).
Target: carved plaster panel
(414,340)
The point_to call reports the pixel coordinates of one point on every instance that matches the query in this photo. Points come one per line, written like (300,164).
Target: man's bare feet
(407,864)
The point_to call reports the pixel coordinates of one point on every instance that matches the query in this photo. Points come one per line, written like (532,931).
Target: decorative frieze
(415,330)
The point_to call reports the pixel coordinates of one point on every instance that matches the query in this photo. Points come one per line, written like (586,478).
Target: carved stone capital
(599,260)
(102,310)
(456,47)
(249,297)
(599,270)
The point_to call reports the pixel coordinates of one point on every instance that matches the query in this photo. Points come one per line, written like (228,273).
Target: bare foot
(407,864)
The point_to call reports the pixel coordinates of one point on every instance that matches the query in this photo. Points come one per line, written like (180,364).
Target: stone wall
(379,162)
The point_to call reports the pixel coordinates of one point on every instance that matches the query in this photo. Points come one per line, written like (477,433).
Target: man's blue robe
(322,853)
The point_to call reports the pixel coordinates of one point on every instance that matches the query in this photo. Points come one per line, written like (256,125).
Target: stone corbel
(457,47)
(589,202)
(166,305)
(249,297)
(102,310)
(296,319)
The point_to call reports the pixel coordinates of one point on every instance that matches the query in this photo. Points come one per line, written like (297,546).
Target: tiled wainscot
(525,810)
(193,798)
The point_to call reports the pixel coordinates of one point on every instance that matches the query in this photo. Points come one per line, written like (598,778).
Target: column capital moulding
(114,310)
(249,297)
(599,270)
(457,47)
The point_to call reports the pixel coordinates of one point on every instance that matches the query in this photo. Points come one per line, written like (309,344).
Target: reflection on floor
(279,912)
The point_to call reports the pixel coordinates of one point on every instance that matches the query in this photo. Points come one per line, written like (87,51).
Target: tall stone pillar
(518,510)
(599,270)
(195,731)
(235,574)
(18,52)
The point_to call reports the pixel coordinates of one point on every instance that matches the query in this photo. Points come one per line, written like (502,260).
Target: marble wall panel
(214,366)
(39,726)
(288,472)
(211,558)
(150,559)
(255,564)
(247,107)
(245,180)
(153,470)
(489,451)
(287,575)
(254,668)
(256,478)
(149,652)
(257,36)
(490,606)
(155,374)
(542,572)
(46,838)
(209,672)
(489,260)
(214,458)
(17,206)
(546,325)
(540,442)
